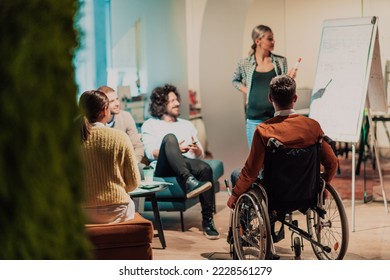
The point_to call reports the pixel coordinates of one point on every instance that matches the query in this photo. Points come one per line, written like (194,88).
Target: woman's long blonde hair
(258,33)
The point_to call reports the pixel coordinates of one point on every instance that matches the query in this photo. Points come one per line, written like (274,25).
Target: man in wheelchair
(302,138)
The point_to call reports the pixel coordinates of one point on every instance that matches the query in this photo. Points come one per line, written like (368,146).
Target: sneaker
(195,187)
(209,229)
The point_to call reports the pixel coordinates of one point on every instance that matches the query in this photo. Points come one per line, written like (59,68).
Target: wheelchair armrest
(228,188)
(331,143)
(274,143)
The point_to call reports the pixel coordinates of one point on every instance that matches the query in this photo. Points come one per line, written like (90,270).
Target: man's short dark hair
(282,90)
(159,100)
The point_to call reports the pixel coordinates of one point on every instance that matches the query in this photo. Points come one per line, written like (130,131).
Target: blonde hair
(106,89)
(258,33)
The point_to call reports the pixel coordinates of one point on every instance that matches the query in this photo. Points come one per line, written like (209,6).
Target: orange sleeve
(252,166)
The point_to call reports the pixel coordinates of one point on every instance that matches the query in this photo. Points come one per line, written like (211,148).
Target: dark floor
(364,181)
(367,179)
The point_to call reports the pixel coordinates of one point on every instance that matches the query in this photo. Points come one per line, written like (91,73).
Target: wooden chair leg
(182,221)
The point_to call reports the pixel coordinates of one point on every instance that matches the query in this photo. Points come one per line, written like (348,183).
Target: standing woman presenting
(253,75)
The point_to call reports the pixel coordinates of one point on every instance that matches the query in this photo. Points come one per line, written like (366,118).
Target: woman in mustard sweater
(110,164)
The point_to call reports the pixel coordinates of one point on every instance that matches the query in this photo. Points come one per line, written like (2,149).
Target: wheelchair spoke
(251,241)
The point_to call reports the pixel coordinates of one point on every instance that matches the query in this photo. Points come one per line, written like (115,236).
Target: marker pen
(297,63)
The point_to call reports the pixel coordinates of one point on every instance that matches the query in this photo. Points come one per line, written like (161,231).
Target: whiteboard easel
(348,69)
(375,146)
(378,165)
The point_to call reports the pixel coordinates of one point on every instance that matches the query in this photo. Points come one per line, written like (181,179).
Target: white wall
(163,36)
(270,13)
(194,19)
(222,105)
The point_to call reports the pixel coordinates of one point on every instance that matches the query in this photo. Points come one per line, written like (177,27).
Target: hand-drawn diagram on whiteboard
(343,74)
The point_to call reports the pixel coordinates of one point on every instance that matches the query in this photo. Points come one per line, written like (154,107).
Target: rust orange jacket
(294,131)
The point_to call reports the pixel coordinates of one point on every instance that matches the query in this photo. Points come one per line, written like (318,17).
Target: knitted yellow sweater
(111,169)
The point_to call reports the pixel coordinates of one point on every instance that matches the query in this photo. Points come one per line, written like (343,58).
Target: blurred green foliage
(40,165)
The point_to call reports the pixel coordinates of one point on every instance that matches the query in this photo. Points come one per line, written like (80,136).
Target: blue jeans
(250,130)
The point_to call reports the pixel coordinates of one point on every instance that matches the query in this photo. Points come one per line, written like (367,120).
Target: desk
(151,194)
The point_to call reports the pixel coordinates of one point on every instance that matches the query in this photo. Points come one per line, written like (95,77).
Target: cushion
(126,240)
(217,167)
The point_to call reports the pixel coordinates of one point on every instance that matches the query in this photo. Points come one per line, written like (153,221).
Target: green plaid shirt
(246,66)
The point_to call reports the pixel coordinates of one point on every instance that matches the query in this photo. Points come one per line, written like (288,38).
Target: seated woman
(110,164)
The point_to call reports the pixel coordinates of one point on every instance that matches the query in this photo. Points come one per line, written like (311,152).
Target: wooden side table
(149,190)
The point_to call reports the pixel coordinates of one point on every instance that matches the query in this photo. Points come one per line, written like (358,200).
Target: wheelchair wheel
(251,227)
(233,252)
(297,246)
(331,231)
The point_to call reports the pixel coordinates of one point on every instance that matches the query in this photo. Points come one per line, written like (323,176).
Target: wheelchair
(291,181)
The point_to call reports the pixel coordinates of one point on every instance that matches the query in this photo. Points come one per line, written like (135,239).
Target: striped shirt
(244,72)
